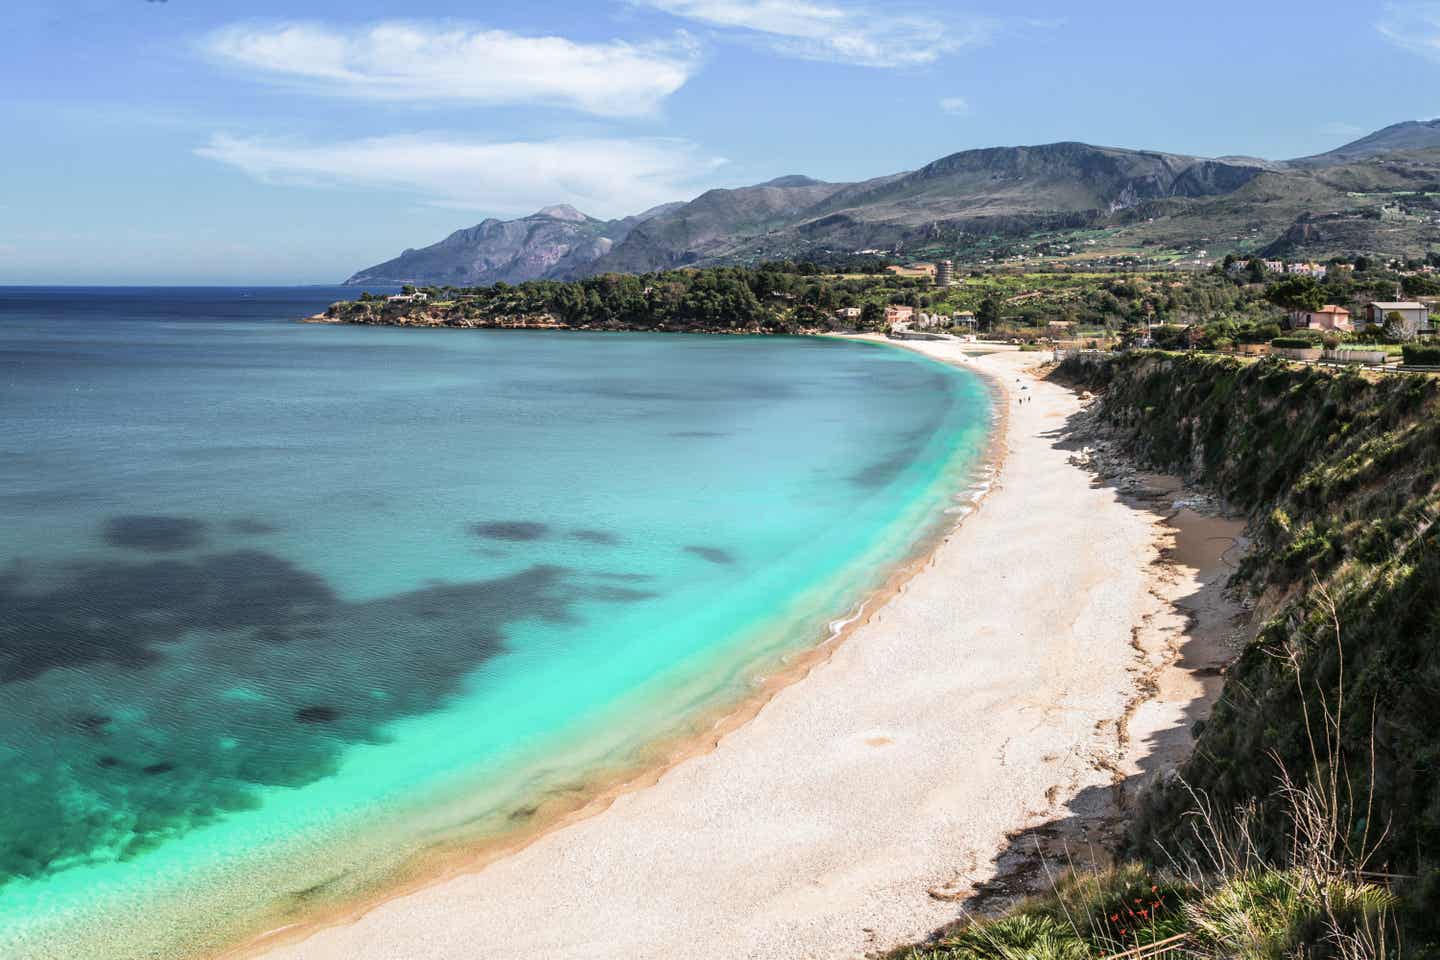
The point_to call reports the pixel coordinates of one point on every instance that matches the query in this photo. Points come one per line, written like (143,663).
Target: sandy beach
(1048,658)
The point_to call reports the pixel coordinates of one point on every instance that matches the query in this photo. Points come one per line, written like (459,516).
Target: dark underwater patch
(124,613)
(882,472)
(698,434)
(276,678)
(159,534)
(317,714)
(514,531)
(713,554)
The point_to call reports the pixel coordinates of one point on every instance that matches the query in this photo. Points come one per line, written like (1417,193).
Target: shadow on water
(157,534)
(511,531)
(713,554)
(144,698)
(1090,829)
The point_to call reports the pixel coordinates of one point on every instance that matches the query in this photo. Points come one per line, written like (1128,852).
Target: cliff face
(1341,475)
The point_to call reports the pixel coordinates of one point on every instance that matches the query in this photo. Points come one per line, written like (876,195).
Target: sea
(286,609)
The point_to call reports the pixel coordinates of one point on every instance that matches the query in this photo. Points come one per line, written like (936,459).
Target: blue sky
(219,142)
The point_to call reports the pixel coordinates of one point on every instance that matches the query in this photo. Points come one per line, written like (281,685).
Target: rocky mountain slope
(556,241)
(1378,195)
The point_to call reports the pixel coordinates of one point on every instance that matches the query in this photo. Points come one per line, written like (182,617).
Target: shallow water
(270,591)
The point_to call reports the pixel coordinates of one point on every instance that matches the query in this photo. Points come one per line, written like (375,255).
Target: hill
(1410,135)
(1379,195)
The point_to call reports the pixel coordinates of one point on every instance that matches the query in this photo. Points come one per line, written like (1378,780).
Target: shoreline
(436,917)
(451,859)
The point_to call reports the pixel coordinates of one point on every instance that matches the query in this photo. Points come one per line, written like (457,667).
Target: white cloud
(825,30)
(955,106)
(1412,26)
(603,177)
(418,62)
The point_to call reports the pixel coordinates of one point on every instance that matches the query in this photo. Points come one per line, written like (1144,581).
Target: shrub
(1292,343)
(1422,354)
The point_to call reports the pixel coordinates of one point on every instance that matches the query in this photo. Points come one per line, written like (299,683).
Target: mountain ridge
(976,199)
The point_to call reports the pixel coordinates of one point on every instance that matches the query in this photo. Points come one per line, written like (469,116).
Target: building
(1315,270)
(896,314)
(944,273)
(849,314)
(1328,317)
(963,319)
(416,297)
(1414,316)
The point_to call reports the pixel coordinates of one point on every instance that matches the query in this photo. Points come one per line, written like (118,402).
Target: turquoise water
(282,604)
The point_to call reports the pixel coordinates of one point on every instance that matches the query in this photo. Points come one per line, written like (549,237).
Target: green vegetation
(1422,354)
(774,298)
(1341,475)
(1215,310)
(1257,914)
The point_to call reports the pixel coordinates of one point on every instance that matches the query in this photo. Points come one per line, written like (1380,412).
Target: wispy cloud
(603,177)
(1412,26)
(841,32)
(955,106)
(420,62)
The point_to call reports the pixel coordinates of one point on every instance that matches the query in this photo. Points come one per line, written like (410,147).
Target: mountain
(1062,199)
(1007,190)
(1411,135)
(556,241)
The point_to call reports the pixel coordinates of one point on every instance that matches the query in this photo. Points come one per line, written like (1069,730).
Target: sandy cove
(1050,655)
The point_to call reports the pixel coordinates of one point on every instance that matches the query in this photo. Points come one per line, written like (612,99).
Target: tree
(988,316)
(1297,293)
(1395,326)
(872,315)
(1420,286)
(1257,270)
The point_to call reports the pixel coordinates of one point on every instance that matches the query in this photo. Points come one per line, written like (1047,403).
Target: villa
(1328,317)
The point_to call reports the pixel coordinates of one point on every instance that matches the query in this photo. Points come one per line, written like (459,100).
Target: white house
(1414,316)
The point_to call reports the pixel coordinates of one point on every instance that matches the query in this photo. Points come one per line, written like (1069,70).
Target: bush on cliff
(1341,476)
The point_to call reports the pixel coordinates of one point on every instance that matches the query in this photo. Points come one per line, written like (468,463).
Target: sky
(215,142)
